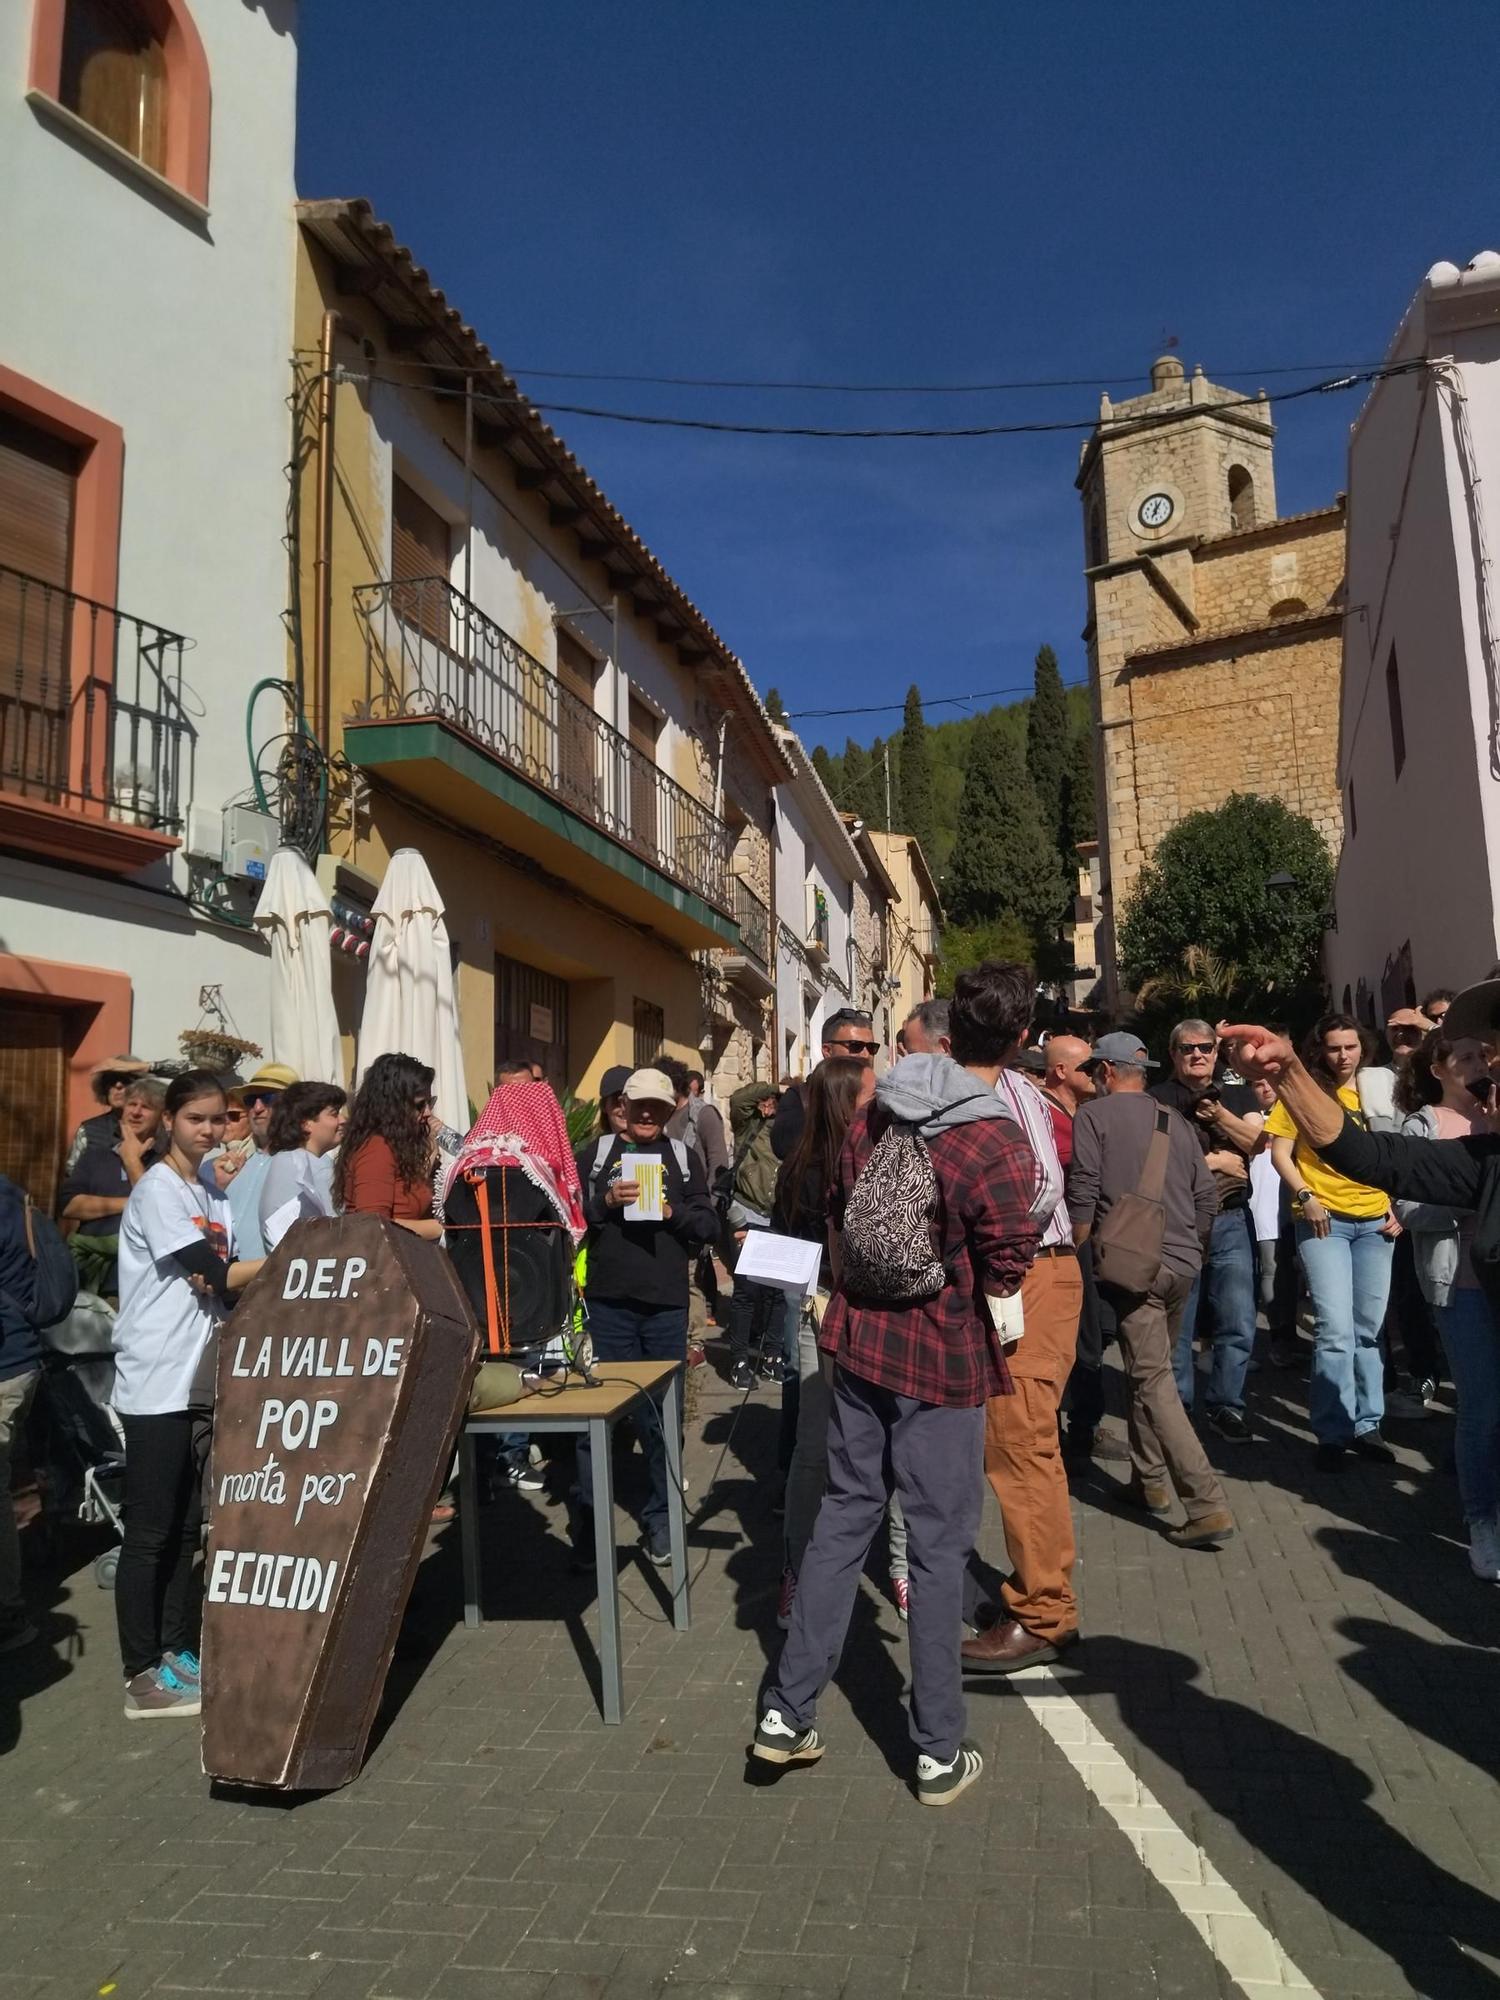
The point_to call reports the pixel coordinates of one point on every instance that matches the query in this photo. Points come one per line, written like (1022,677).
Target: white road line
(1231,1930)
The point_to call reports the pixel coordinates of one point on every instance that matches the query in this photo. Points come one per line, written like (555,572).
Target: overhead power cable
(1146,421)
(876,388)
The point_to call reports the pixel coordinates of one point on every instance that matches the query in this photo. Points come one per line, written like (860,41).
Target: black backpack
(54,1275)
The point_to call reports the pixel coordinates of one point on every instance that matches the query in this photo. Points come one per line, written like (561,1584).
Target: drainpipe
(323,540)
(719,773)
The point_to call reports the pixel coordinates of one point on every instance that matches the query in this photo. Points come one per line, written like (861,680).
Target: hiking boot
(1371,1445)
(940,1784)
(158,1691)
(1231,1425)
(1151,1495)
(1207,1532)
(777,1742)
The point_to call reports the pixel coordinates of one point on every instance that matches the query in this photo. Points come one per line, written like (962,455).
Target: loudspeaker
(530,1262)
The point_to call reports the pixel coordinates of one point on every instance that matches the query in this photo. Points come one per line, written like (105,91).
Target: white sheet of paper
(280,1220)
(647,1171)
(784,1261)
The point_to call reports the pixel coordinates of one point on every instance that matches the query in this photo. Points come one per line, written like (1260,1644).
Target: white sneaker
(1484,1549)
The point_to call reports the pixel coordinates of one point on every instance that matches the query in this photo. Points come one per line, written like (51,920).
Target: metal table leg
(611,1670)
(468,1524)
(671,1424)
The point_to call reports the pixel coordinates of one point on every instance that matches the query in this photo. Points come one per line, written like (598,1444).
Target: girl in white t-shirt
(307,1124)
(176,1280)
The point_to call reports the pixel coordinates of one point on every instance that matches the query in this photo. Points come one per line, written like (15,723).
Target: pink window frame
(189,104)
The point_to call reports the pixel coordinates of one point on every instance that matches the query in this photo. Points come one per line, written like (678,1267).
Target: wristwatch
(1302,1197)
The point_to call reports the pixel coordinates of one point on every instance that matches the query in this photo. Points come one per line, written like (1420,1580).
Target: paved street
(1274,1765)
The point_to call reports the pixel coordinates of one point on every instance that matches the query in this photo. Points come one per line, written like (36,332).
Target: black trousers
(154,1585)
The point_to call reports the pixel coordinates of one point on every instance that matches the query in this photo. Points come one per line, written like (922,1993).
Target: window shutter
(38,476)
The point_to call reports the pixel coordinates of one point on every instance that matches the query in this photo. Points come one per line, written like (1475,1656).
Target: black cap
(614,1080)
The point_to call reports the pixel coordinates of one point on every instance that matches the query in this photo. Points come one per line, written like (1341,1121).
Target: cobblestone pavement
(1275,1763)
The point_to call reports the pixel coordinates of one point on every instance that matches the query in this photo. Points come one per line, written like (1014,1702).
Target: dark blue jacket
(20,1349)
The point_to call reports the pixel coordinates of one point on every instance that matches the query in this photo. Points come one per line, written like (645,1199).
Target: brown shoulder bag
(1127,1243)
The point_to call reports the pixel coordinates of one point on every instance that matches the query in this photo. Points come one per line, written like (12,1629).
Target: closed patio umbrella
(410,1008)
(294,914)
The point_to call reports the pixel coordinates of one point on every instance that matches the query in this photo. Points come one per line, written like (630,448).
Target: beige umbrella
(294,914)
(410,1006)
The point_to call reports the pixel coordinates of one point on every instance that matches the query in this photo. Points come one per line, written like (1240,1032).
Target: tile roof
(355,236)
(1265,527)
(1196,642)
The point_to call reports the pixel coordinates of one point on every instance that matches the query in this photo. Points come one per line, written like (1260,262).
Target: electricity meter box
(250,839)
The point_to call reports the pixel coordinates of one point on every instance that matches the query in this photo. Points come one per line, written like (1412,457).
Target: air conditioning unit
(250,839)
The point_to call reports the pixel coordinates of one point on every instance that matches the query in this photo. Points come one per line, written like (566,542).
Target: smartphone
(1483,1087)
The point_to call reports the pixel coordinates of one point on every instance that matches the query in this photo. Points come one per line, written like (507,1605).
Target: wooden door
(421,557)
(577,729)
(38,481)
(644,728)
(33,1099)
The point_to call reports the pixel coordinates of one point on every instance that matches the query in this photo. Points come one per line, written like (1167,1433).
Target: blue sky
(852,190)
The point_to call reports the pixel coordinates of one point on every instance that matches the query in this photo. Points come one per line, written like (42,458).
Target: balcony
(93,737)
(819,933)
(457,714)
(749,965)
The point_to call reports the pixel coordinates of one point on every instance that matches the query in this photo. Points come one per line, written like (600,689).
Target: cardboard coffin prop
(342,1380)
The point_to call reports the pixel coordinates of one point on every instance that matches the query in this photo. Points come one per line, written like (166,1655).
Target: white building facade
(145,331)
(816,867)
(1419,754)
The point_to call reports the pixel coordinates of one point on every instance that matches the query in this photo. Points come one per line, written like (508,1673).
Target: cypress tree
(915,811)
(858,792)
(1005,863)
(773,705)
(1078,794)
(829,772)
(1047,743)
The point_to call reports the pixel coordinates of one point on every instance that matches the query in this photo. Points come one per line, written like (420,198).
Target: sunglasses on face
(1196,1048)
(1406,1034)
(858,1048)
(254,1100)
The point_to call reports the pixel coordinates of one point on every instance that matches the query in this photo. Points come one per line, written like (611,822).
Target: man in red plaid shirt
(910,1385)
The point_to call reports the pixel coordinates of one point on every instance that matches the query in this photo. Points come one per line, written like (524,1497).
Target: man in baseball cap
(1122,1050)
(638,1275)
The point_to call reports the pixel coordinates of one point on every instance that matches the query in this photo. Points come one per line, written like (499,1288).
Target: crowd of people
(991,1215)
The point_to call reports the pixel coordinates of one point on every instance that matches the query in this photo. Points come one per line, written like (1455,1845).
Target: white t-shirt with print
(164,1326)
(299,1177)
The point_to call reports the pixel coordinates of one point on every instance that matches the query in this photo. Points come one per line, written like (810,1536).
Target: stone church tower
(1214,627)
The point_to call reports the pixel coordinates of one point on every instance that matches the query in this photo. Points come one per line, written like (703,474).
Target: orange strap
(498,1330)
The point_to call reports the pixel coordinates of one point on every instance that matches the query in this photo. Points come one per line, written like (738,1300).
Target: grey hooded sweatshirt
(935,1093)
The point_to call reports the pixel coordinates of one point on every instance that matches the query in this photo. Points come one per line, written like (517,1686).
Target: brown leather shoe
(1150,1495)
(1206,1532)
(1007,1647)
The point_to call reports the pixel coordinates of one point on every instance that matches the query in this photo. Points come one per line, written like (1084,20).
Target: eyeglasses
(1196,1048)
(856,1048)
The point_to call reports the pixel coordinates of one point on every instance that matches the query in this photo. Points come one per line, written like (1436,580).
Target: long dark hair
(832,1094)
(1313,1059)
(382,1109)
(189,1087)
(1416,1082)
(292,1109)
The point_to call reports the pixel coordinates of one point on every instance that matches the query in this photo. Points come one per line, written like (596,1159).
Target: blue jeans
(1348,1273)
(630,1333)
(1471,1342)
(1228,1276)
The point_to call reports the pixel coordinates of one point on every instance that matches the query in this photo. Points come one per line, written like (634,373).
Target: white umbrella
(410,1007)
(294,913)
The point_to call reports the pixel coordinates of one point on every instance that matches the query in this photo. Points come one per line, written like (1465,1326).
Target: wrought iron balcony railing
(429,651)
(754,920)
(91,712)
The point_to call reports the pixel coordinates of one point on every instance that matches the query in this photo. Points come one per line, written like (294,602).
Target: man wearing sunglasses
(849,1032)
(1228,1124)
(258,1097)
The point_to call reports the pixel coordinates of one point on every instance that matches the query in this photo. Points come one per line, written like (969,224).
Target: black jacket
(1457,1173)
(20,1349)
(644,1264)
(789,1119)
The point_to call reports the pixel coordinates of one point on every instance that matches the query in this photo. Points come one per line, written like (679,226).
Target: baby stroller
(80,1449)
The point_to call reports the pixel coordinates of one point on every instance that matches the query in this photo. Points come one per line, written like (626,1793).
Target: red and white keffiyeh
(523,1126)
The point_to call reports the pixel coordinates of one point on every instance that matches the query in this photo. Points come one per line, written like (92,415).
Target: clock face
(1155,510)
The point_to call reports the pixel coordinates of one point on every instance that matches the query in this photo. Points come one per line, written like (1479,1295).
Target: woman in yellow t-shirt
(1344,1236)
